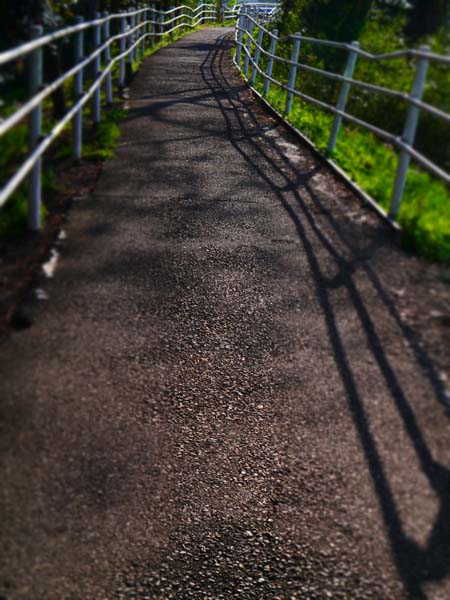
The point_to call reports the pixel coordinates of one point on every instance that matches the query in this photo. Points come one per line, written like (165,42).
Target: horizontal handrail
(388,137)
(24,110)
(24,49)
(131,37)
(265,11)
(409,53)
(248,24)
(404,96)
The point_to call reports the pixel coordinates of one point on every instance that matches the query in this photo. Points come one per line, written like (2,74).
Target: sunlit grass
(425,211)
(100,141)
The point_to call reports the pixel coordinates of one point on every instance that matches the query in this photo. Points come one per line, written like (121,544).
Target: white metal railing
(137,29)
(251,49)
(264,12)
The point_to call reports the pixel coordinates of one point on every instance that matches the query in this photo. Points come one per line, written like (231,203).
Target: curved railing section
(137,29)
(250,38)
(263,12)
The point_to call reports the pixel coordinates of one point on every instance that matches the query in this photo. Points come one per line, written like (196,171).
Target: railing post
(123,41)
(144,31)
(240,37)
(343,96)
(181,20)
(78,89)
(257,55)
(106,36)
(136,35)
(161,26)
(292,74)
(197,14)
(152,37)
(409,133)
(130,39)
(249,30)
(35,131)
(134,53)
(223,12)
(269,68)
(172,16)
(97,69)
(138,20)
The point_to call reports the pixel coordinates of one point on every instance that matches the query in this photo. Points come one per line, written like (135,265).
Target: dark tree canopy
(427,16)
(333,19)
(342,20)
(17,16)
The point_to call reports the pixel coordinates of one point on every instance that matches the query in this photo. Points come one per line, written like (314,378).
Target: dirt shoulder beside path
(226,395)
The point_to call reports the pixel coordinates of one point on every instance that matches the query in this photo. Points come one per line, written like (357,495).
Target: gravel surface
(222,397)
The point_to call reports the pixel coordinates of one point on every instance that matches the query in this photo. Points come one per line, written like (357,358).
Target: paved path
(220,399)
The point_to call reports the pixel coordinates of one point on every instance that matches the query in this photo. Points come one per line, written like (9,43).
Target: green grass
(107,132)
(425,211)
(14,216)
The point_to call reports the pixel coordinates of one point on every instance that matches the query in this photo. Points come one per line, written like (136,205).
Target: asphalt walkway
(219,400)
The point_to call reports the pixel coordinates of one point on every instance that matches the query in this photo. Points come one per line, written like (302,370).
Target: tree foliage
(340,20)
(427,17)
(19,15)
(343,20)
(380,26)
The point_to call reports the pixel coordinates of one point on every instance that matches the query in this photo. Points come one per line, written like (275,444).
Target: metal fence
(263,12)
(136,30)
(251,36)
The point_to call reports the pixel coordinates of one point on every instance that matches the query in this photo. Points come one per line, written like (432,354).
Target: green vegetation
(105,137)
(14,216)
(425,211)
(99,142)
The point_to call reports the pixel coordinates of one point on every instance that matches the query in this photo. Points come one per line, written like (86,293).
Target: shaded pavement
(221,399)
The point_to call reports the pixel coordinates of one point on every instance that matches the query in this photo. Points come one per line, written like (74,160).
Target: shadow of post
(415,565)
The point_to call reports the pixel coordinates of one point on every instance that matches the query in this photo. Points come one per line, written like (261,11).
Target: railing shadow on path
(416,565)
